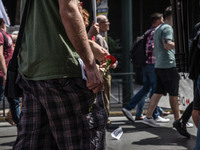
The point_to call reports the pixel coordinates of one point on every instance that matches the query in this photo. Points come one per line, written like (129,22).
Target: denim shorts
(167,81)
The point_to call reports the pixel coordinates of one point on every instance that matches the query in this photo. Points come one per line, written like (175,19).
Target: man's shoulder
(166,27)
(99,36)
(149,30)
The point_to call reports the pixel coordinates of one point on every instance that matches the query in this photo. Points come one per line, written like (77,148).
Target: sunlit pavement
(137,136)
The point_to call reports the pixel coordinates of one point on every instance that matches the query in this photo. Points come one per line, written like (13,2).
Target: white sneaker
(189,125)
(128,114)
(150,122)
(162,120)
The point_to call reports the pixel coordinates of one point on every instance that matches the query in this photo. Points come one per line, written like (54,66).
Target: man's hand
(93,31)
(95,80)
(98,51)
(114,65)
(168,44)
(75,30)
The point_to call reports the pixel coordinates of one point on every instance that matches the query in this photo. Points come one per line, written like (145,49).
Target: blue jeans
(139,111)
(149,85)
(198,84)
(14,103)
(157,112)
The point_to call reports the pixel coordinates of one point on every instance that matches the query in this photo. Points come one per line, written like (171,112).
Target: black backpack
(138,51)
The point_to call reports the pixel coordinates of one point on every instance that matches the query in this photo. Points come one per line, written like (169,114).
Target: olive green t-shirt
(46,52)
(164,58)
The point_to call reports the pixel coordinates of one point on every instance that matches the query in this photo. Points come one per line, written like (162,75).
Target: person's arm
(14,37)
(195,116)
(94,30)
(3,64)
(114,65)
(98,51)
(75,29)
(168,44)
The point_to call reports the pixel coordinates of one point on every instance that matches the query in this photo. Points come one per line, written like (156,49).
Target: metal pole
(127,40)
(94,5)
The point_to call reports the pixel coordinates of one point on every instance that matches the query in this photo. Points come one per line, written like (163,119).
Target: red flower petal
(112,58)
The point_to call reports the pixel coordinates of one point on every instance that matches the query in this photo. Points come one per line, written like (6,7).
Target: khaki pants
(107,90)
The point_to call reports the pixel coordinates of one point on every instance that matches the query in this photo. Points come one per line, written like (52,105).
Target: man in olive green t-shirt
(56,100)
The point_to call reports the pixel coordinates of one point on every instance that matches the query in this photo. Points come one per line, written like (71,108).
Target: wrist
(90,36)
(90,65)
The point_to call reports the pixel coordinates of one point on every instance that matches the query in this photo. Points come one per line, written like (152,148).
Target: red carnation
(110,60)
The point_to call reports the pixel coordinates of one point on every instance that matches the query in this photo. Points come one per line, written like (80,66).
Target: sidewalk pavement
(136,136)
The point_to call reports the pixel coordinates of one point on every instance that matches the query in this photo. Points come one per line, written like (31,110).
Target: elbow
(169,46)
(66,12)
(166,47)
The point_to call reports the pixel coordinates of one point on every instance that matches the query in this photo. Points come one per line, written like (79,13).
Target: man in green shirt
(165,67)
(56,100)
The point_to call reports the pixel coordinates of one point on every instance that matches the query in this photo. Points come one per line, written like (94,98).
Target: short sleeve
(167,33)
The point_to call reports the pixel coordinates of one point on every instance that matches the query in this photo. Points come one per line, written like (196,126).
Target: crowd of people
(64,71)
(160,75)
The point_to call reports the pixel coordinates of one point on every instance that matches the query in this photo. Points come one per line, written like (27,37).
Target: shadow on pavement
(8,144)
(165,135)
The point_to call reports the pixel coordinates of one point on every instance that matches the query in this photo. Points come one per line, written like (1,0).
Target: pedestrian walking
(149,77)
(167,77)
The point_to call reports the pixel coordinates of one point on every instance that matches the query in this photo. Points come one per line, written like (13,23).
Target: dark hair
(156,16)
(168,12)
(1,21)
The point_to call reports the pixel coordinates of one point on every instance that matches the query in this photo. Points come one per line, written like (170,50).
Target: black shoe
(181,128)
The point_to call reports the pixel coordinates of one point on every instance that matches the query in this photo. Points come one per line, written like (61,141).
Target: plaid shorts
(55,115)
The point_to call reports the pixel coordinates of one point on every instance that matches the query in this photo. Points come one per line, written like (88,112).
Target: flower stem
(95,95)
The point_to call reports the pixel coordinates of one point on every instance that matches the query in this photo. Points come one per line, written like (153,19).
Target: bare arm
(75,29)
(94,30)
(168,44)
(14,38)
(3,64)
(98,51)
(195,117)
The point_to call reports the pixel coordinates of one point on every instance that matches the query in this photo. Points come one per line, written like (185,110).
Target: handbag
(12,88)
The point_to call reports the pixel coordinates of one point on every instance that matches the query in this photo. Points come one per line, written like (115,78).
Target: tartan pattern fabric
(150,47)
(55,115)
